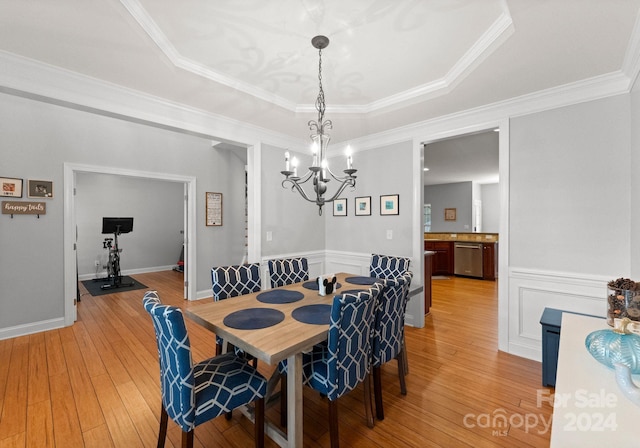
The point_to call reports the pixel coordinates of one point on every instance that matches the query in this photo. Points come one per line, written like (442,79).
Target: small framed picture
(40,189)
(363,206)
(214,208)
(449,214)
(340,207)
(390,204)
(11,187)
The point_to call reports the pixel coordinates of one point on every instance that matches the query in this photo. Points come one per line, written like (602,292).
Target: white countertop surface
(589,408)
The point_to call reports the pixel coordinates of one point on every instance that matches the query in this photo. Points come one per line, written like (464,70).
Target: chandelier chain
(320,104)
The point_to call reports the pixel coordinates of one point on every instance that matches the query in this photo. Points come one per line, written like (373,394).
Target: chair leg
(333,423)
(187,439)
(377,392)
(405,357)
(228,415)
(402,363)
(162,433)
(368,410)
(283,400)
(259,423)
(218,349)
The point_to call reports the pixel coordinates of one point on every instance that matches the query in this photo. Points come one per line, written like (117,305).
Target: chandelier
(319,174)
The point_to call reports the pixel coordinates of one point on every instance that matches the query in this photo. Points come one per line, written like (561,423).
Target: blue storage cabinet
(551,322)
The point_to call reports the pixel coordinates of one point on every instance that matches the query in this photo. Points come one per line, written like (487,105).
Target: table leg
(294,401)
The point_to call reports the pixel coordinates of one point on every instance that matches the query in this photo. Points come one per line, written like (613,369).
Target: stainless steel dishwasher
(468,259)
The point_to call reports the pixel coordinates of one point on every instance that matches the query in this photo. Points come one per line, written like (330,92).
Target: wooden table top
(277,342)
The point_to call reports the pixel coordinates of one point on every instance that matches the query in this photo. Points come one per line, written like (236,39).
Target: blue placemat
(313,284)
(319,314)
(361,280)
(280,296)
(253,318)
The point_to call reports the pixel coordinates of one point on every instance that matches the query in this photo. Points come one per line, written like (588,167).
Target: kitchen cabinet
(442,260)
(427,281)
(489,261)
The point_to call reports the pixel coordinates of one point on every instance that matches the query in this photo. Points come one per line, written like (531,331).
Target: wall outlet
(269,236)
(389,234)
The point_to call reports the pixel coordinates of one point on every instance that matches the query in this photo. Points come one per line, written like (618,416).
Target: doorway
(70,228)
(459,130)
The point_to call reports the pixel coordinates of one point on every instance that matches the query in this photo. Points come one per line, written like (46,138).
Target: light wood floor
(96,384)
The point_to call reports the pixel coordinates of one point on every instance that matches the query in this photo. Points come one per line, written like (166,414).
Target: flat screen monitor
(117,225)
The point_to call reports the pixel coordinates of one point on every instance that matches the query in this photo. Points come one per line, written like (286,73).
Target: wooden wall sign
(24,208)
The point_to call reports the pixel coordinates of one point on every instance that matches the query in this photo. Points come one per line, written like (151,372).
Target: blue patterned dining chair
(388,334)
(388,266)
(286,271)
(233,281)
(337,366)
(194,394)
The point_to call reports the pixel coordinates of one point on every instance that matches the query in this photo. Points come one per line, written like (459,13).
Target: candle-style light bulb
(349,159)
(294,162)
(286,161)
(314,151)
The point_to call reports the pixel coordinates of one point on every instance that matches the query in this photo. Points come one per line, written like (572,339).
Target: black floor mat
(95,286)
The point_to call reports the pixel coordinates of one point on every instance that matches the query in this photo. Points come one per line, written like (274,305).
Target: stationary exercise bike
(116,226)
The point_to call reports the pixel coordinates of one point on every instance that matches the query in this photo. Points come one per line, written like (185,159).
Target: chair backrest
(388,266)
(232,281)
(349,342)
(176,368)
(388,331)
(288,270)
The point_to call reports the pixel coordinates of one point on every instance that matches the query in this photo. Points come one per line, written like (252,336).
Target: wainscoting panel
(356,263)
(316,261)
(531,291)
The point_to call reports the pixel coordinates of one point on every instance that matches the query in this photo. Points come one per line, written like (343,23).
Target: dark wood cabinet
(489,261)
(442,260)
(427,283)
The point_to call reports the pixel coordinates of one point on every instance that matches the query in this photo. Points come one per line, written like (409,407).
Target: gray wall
(158,211)
(376,176)
(570,189)
(293,222)
(458,196)
(38,138)
(490,194)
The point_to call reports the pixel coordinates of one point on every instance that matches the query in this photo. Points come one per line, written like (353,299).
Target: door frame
(70,262)
(459,129)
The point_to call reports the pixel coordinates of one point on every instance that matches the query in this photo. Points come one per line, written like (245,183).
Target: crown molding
(491,39)
(150,27)
(492,114)
(33,79)
(28,78)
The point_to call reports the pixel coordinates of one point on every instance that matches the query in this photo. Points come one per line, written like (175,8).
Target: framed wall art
(390,204)
(363,206)
(11,187)
(449,214)
(40,188)
(340,207)
(214,209)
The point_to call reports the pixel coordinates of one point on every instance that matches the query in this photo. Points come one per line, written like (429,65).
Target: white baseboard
(30,328)
(103,273)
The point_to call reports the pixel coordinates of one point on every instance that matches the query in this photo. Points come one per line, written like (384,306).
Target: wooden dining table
(276,325)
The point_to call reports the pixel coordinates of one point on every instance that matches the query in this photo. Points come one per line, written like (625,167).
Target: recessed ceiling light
(426,169)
